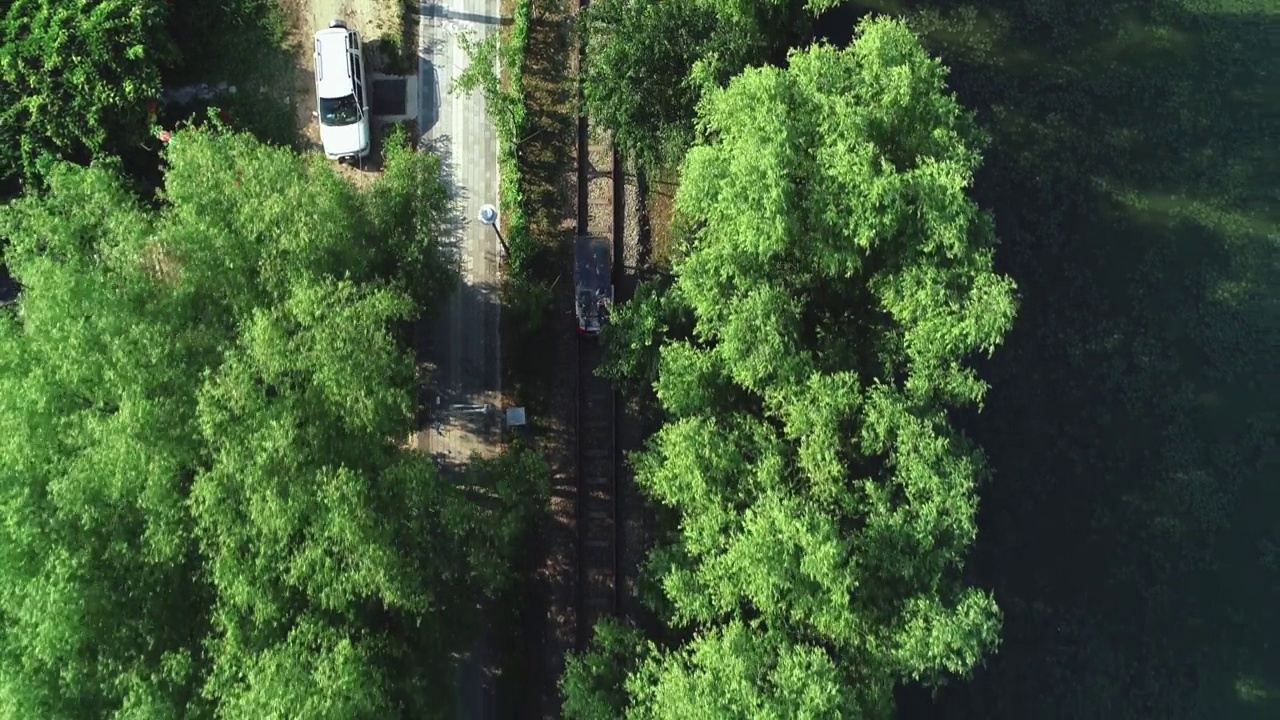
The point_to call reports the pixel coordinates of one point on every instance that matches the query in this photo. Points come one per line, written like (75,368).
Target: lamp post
(489,216)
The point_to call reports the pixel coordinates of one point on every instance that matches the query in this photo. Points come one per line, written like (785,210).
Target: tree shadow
(455,219)
(390,55)
(226,41)
(243,43)
(428,97)
(456,371)
(1130,426)
(545,154)
(644,238)
(436,45)
(437,10)
(9,288)
(543,349)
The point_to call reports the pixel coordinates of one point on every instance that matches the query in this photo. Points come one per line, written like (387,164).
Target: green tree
(205,508)
(839,278)
(317,672)
(637,77)
(505,106)
(648,62)
(100,590)
(75,78)
(635,332)
(740,672)
(594,682)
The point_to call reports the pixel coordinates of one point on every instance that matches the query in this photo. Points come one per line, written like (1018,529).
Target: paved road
(464,343)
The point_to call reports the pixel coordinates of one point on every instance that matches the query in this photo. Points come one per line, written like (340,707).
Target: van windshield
(339,111)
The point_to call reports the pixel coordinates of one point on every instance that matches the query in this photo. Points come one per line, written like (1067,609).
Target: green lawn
(241,43)
(1130,530)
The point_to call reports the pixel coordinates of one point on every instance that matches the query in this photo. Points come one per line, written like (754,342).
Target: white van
(342,93)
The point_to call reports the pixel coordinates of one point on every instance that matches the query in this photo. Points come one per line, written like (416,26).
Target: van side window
(358,76)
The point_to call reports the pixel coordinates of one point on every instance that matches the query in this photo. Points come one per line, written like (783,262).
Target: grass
(241,43)
(543,165)
(1129,530)
(659,214)
(226,41)
(398,45)
(539,356)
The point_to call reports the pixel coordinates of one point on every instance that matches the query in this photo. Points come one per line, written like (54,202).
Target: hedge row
(512,127)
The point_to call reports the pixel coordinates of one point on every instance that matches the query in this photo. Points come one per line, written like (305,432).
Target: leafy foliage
(79,80)
(506,105)
(637,75)
(228,41)
(206,508)
(839,278)
(593,684)
(75,78)
(482,75)
(1130,534)
(314,673)
(648,62)
(740,672)
(635,331)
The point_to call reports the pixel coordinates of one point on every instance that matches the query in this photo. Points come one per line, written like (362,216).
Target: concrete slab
(389,96)
(464,344)
(412,101)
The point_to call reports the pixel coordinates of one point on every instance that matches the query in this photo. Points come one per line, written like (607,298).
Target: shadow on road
(429,96)
(434,10)
(456,220)
(464,325)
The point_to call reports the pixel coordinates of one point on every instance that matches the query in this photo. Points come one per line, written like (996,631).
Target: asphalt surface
(464,342)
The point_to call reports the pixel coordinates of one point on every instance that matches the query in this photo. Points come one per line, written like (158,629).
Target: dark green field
(1130,531)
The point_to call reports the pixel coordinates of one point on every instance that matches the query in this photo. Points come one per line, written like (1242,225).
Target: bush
(75,79)
(507,107)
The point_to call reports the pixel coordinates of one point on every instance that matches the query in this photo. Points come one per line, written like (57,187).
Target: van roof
(333,71)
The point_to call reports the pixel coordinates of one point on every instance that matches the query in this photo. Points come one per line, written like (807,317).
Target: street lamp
(489,216)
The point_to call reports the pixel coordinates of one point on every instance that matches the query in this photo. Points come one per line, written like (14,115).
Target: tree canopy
(823,313)
(648,60)
(75,79)
(206,509)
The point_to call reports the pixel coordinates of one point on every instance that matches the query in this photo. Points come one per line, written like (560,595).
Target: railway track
(599,517)
(599,543)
